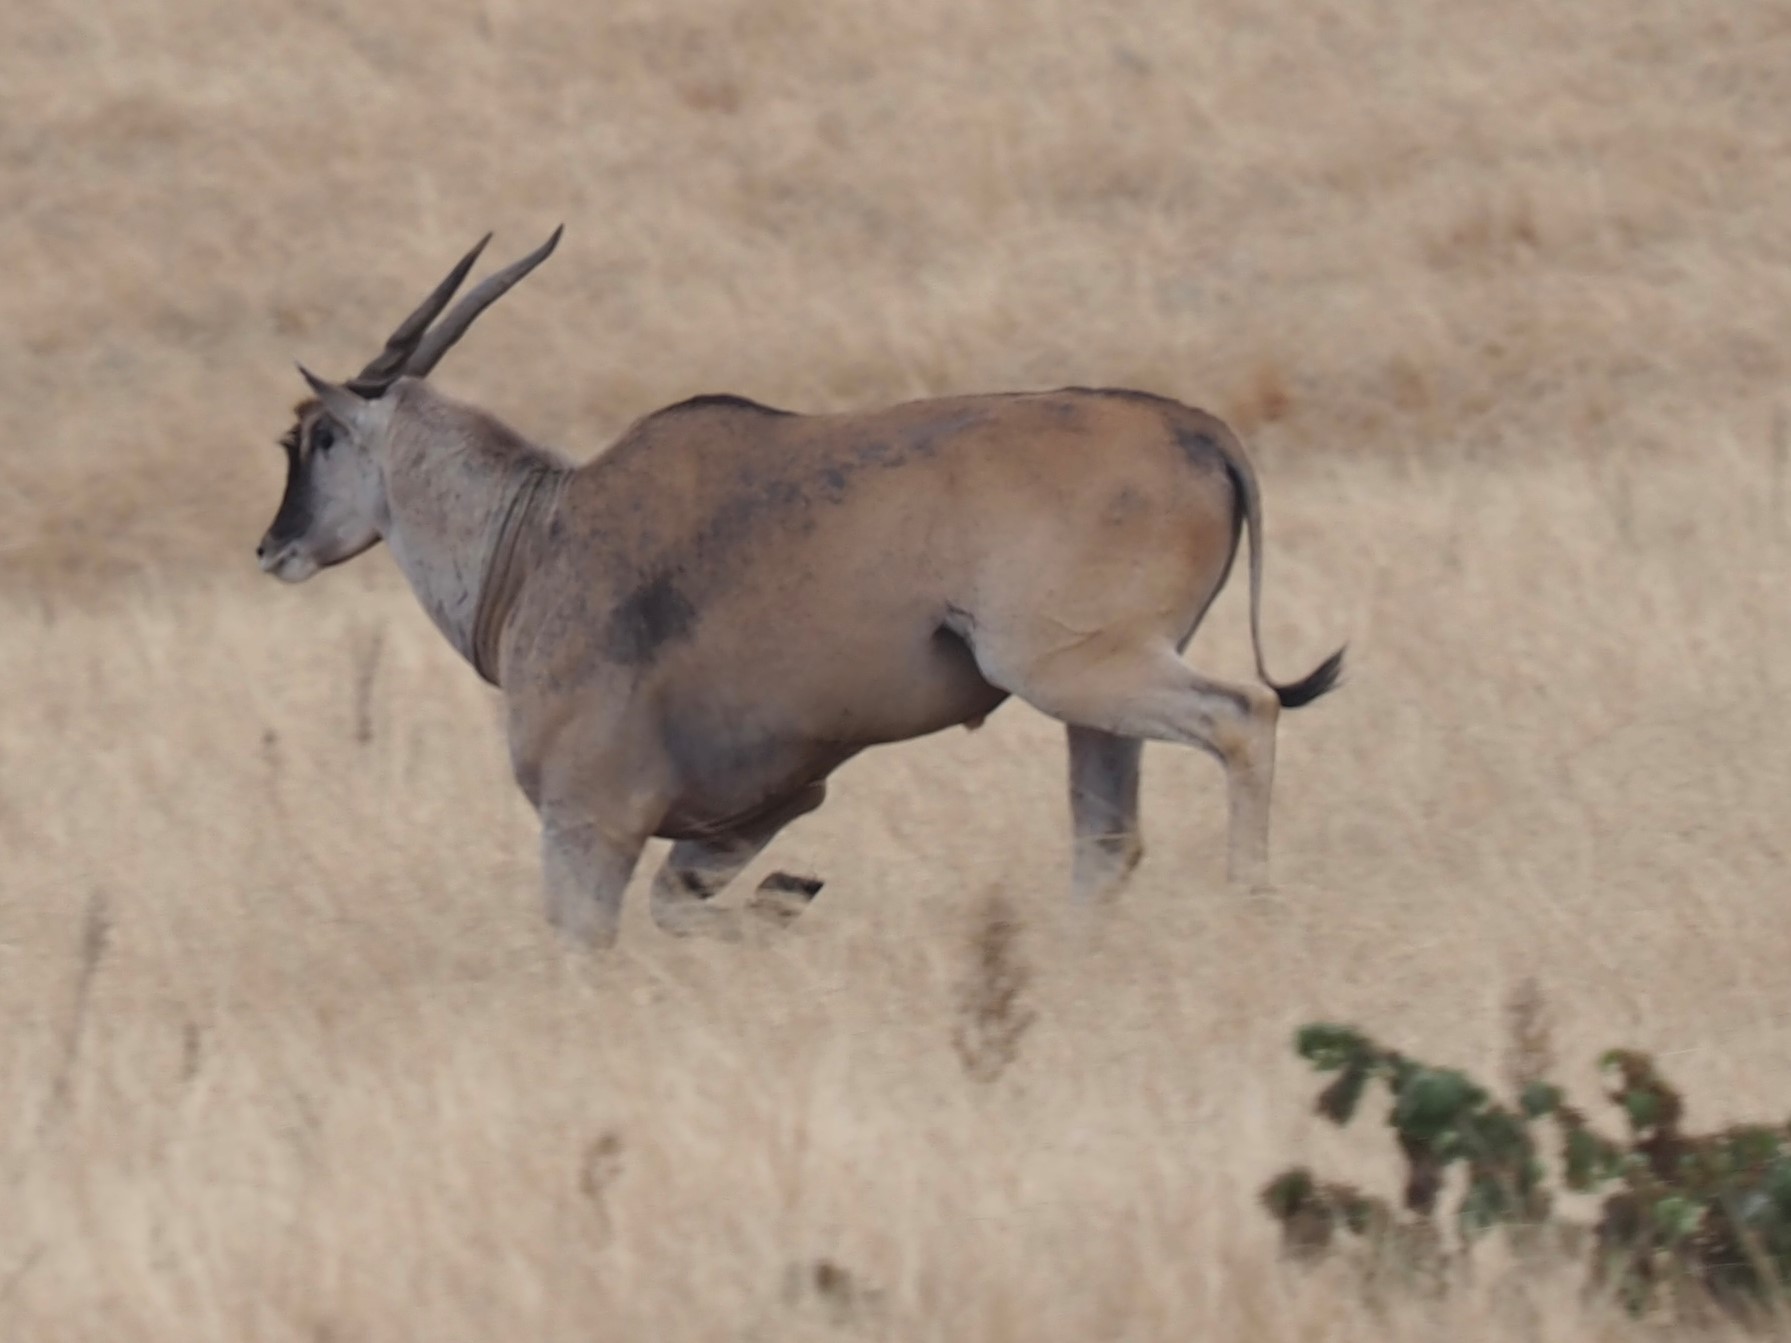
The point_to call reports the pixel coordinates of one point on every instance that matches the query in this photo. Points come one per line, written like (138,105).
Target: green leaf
(1338,1101)
(1589,1159)
(1432,1102)
(1539,1099)
(1361,1214)
(1288,1192)
(1485,1204)
(1775,1181)
(1642,1107)
(1678,1217)
(1496,1135)
(1329,1047)
(1751,1146)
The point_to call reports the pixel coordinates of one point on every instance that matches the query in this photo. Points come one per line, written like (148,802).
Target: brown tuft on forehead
(290,439)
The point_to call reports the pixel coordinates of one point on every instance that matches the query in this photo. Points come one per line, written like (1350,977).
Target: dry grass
(1500,294)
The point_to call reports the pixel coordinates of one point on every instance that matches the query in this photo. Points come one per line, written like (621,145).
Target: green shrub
(1686,1220)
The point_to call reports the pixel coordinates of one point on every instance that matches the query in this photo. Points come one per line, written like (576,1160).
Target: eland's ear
(346,407)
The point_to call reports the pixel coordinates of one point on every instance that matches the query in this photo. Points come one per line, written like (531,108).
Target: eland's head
(334,506)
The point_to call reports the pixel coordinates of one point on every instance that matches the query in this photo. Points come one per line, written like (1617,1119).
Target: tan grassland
(1501,297)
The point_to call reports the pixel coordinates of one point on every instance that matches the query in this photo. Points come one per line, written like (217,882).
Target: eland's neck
(465,519)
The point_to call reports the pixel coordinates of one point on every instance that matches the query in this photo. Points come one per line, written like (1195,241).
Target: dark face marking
(293,518)
(655,614)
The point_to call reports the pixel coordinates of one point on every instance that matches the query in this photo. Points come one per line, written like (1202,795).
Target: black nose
(261,550)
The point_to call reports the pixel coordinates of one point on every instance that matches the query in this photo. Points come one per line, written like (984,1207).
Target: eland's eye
(323,434)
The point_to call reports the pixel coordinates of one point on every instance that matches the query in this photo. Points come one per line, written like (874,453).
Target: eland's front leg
(585,871)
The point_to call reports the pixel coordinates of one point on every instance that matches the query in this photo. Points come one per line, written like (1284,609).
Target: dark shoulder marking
(655,614)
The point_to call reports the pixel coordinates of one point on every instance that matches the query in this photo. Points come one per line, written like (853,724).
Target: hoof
(1104,870)
(782,896)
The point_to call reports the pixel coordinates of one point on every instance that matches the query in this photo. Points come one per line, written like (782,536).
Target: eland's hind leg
(1103,810)
(1149,692)
(697,870)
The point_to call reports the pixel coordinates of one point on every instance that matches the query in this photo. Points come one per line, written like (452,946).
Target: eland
(694,629)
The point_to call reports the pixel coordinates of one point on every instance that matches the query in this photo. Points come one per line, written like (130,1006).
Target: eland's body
(694,629)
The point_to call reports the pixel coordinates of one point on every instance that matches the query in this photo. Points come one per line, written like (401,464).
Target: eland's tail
(1323,678)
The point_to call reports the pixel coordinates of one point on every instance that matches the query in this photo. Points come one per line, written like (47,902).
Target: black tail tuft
(1320,681)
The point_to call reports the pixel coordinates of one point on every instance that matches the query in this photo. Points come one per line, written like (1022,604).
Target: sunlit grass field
(1499,298)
